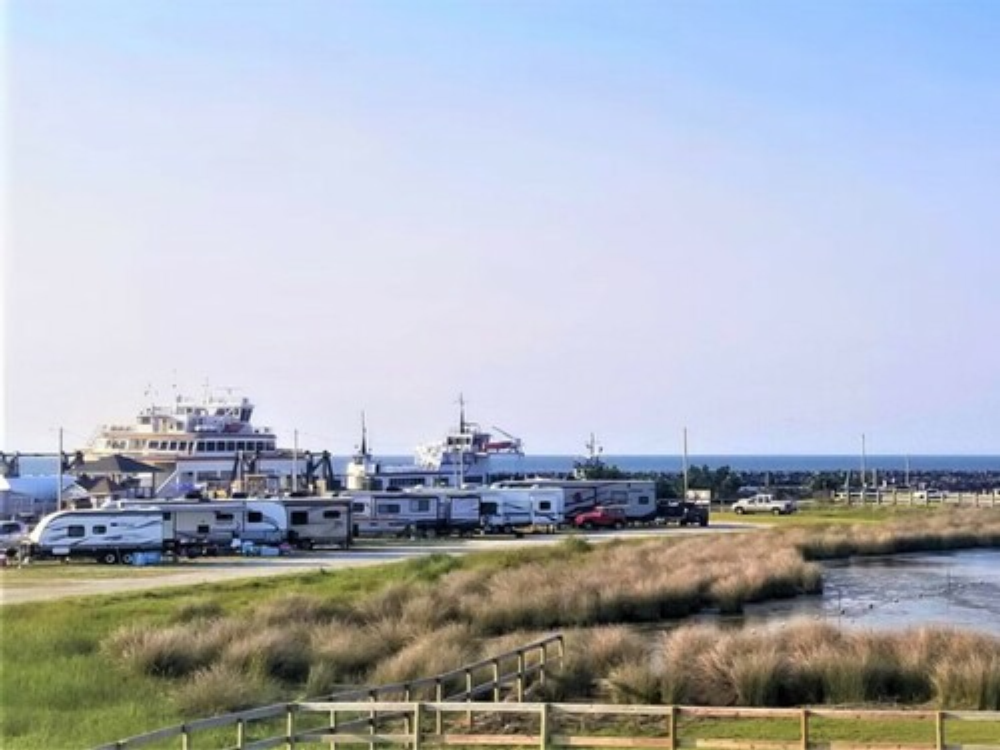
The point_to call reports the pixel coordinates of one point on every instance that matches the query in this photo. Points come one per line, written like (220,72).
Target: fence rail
(386,716)
(554,726)
(510,672)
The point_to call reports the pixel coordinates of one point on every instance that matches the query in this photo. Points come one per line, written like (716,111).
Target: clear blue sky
(774,223)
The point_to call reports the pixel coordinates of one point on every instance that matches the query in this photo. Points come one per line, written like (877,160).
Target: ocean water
(546,464)
(557,464)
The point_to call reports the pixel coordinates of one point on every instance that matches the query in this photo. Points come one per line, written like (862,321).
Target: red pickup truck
(601,517)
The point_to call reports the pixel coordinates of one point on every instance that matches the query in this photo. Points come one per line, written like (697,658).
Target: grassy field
(80,672)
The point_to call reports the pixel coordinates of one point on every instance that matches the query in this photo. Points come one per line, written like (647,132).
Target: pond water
(954,589)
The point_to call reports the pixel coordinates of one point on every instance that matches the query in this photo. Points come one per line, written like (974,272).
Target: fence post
(543,728)
(496,680)
(939,730)
(241,734)
(543,652)
(438,697)
(290,726)
(468,697)
(805,729)
(372,696)
(672,727)
(520,676)
(417,712)
(185,737)
(333,727)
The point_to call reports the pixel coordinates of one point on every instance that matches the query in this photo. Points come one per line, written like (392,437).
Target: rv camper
(637,497)
(106,535)
(318,522)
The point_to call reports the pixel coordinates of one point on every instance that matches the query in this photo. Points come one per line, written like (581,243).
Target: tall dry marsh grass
(809,663)
(305,645)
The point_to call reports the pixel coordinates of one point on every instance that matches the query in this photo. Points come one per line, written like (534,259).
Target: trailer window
(488,508)
(166,516)
(389,508)
(358,507)
(224,517)
(255,516)
(203,529)
(422,506)
(331,514)
(100,530)
(545,505)
(76,531)
(644,500)
(299,518)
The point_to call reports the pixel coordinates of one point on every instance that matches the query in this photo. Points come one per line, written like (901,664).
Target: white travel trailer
(212,525)
(512,509)
(106,535)
(397,513)
(415,512)
(318,522)
(637,497)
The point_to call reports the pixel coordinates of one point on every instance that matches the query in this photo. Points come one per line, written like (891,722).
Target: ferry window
(388,508)
(241,446)
(331,514)
(76,531)
(643,500)
(203,528)
(225,516)
(200,446)
(358,507)
(182,446)
(154,445)
(299,518)
(173,445)
(100,529)
(255,516)
(231,445)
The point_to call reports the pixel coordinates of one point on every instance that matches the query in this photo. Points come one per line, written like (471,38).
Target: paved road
(209,570)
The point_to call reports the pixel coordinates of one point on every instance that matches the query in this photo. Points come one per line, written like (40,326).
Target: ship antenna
(461,413)
(364,436)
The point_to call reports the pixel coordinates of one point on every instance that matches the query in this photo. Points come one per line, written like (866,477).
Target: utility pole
(686,487)
(295,460)
(59,478)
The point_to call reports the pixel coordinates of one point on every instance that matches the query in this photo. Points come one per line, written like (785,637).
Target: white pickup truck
(763,503)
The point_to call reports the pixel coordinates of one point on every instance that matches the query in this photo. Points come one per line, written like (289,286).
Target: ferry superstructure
(462,457)
(211,427)
(203,443)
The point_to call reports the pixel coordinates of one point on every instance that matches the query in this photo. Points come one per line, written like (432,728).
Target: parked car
(764,503)
(682,512)
(602,517)
(12,533)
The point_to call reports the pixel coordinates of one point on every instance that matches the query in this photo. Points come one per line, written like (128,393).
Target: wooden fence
(906,497)
(554,726)
(507,675)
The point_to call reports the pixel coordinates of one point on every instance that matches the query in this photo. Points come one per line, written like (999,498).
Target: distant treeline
(727,483)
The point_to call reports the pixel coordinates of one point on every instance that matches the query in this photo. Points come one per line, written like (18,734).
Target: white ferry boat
(463,457)
(198,444)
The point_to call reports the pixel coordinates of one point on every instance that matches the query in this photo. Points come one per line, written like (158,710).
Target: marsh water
(953,589)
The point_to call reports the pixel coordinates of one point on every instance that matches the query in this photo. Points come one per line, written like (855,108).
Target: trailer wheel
(127,558)
(108,558)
